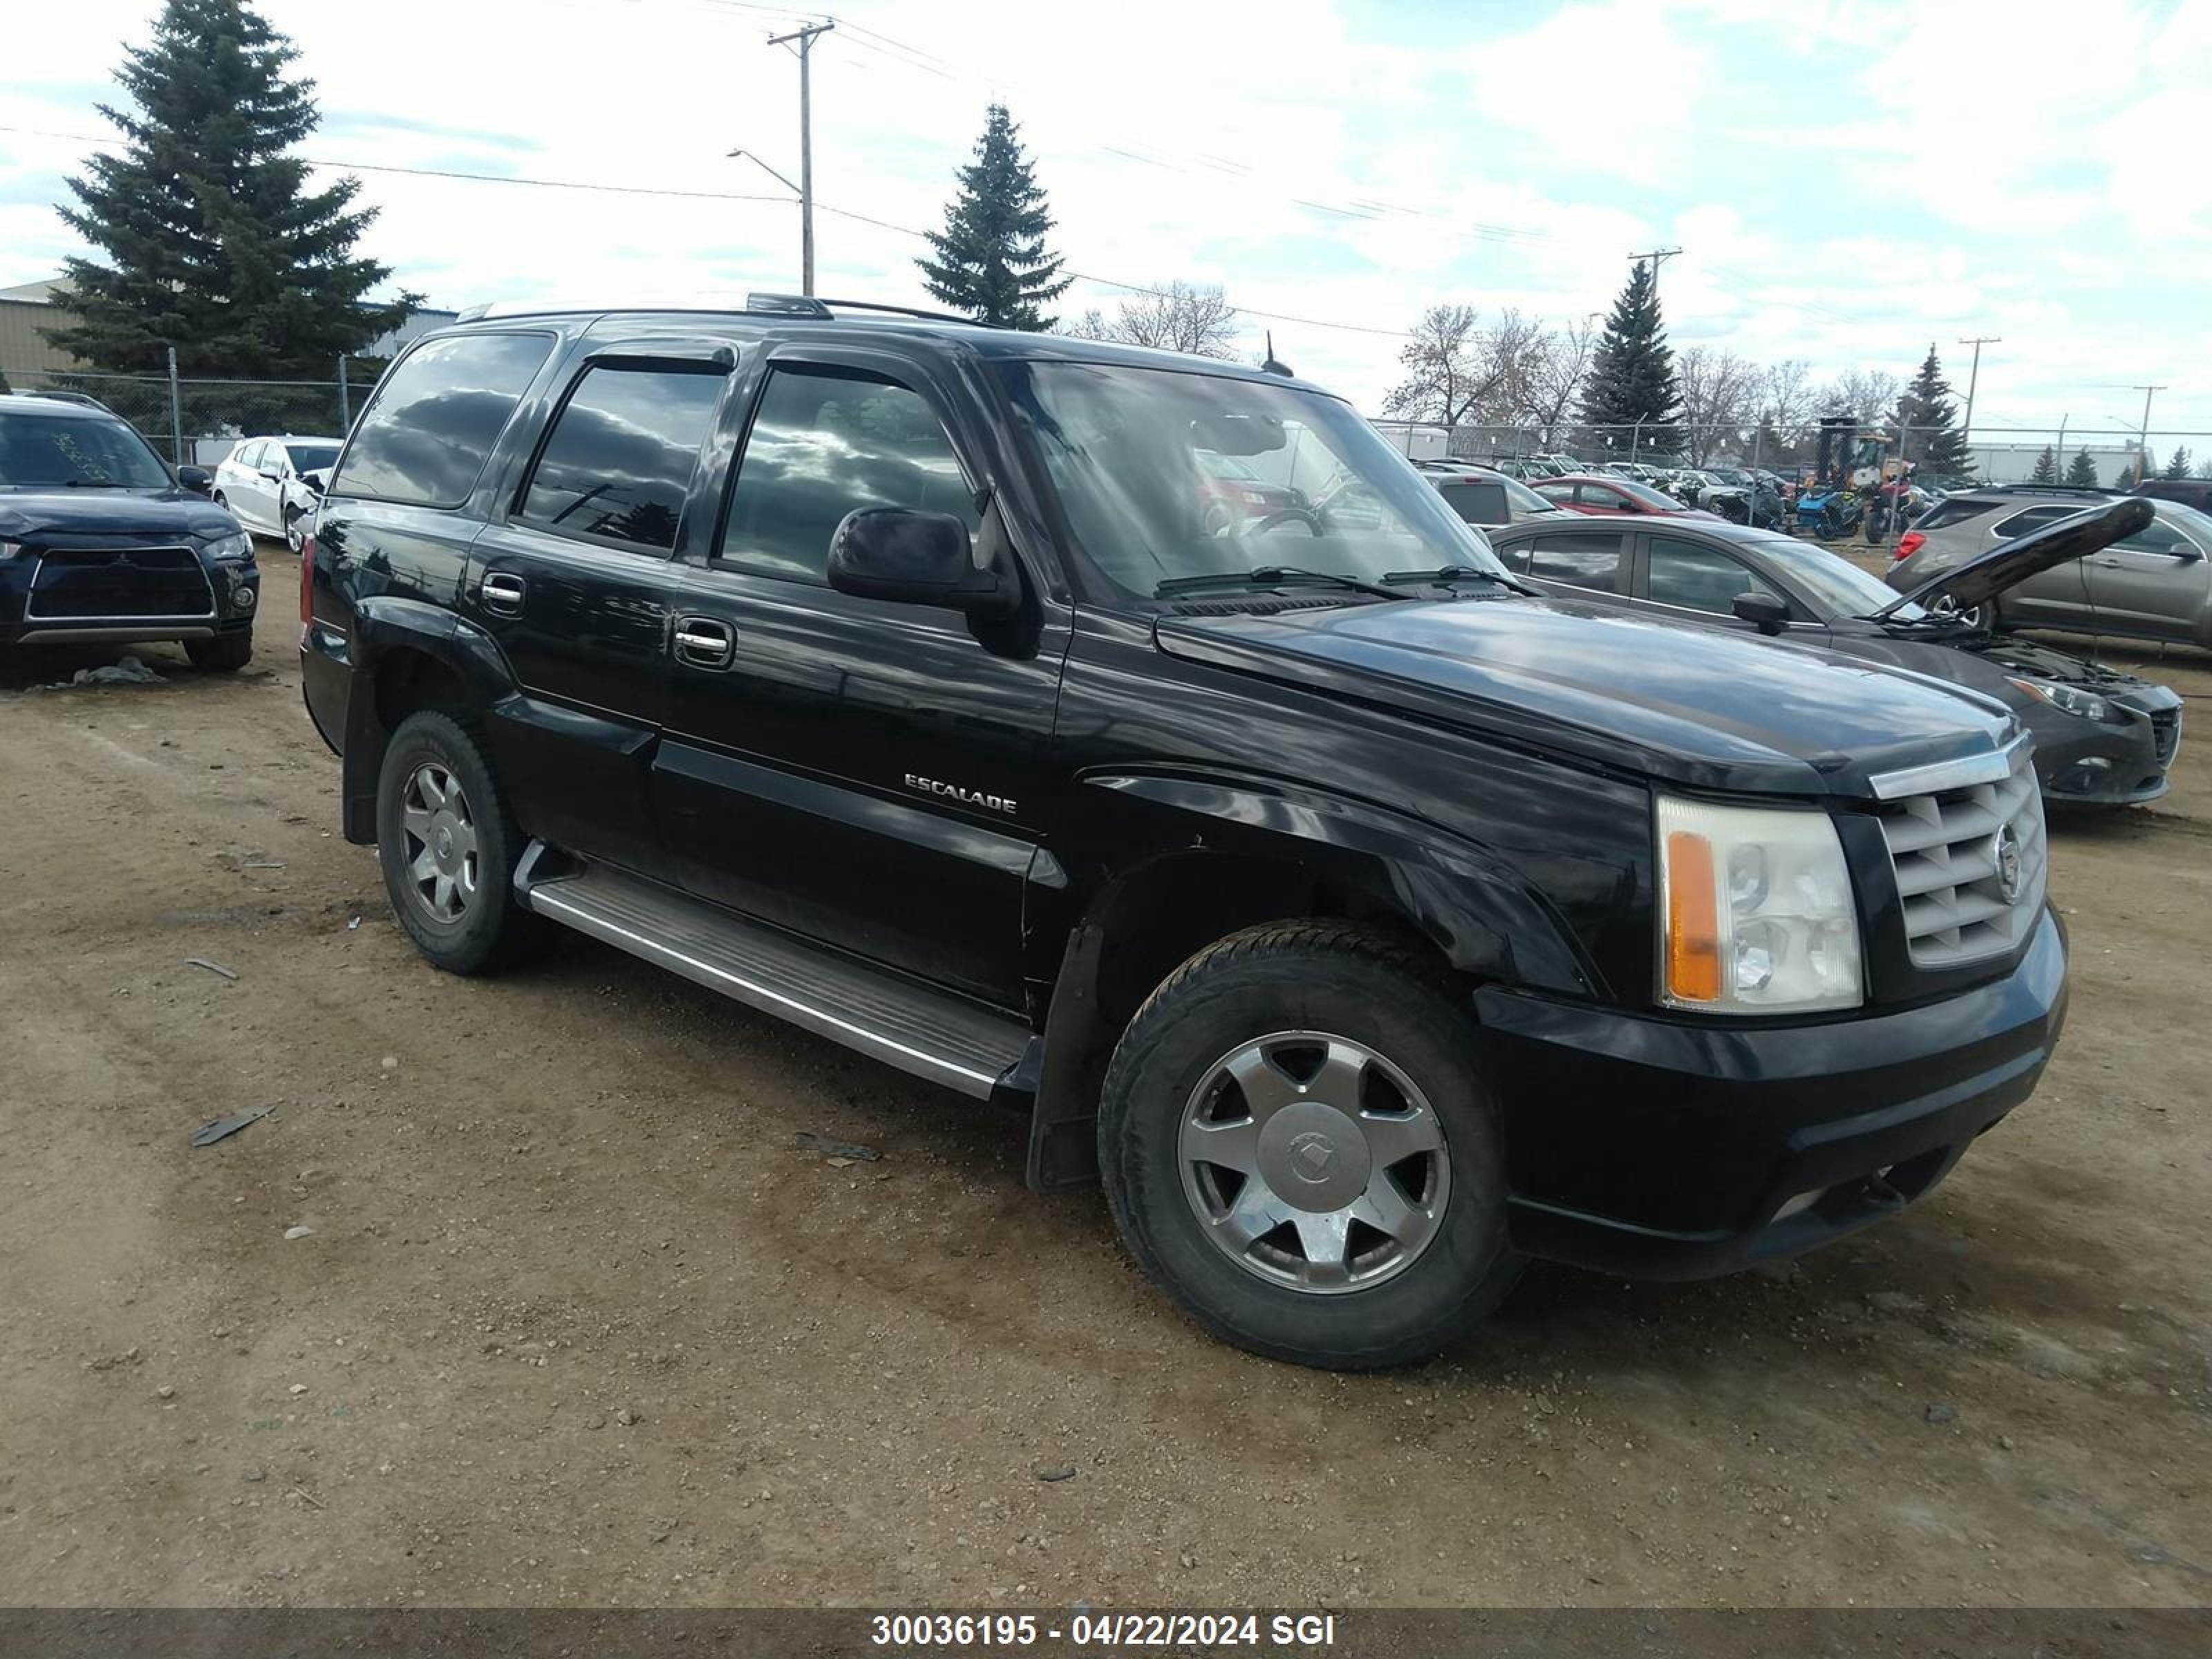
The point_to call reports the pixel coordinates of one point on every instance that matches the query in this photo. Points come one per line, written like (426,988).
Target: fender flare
(381,626)
(1479,912)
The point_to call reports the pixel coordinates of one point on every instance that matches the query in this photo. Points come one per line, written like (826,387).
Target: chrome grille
(1945,847)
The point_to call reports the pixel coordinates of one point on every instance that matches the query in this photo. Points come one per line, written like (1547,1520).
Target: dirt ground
(577,1322)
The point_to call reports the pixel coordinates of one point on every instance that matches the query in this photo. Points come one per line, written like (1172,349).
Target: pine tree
(2127,480)
(1633,372)
(2082,472)
(2046,468)
(2178,466)
(1924,412)
(214,242)
(990,257)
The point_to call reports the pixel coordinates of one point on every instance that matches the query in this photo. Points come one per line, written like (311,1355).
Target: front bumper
(2110,763)
(1660,1148)
(44,603)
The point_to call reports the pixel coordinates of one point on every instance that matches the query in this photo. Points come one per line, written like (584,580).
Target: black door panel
(864,773)
(588,636)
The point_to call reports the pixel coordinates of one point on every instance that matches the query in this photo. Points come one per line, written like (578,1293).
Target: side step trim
(750,976)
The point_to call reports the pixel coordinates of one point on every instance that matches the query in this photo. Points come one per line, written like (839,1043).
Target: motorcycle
(1829,513)
(1759,506)
(1892,508)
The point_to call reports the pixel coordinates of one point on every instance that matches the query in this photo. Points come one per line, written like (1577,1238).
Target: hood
(25,513)
(2012,563)
(1691,706)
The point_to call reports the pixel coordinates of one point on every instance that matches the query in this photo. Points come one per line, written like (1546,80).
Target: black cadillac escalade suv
(1137,741)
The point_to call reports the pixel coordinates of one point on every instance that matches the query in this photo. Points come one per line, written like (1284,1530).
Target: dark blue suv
(100,542)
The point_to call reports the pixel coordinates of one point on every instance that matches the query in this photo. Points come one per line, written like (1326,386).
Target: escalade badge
(2006,851)
(966,797)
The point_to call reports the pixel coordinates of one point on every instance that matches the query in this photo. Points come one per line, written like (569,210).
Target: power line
(741,195)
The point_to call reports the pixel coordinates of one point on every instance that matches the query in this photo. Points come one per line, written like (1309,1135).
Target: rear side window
(2034,519)
(1479,503)
(823,445)
(1590,494)
(426,436)
(617,464)
(1580,559)
(1950,512)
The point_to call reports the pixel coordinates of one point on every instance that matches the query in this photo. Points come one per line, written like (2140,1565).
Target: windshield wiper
(1456,572)
(1270,575)
(96,483)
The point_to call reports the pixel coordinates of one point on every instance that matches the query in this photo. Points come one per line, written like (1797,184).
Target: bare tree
(1786,392)
(1178,317)
(1555,379)
(1867,394)
(1719,389)
(1448,371)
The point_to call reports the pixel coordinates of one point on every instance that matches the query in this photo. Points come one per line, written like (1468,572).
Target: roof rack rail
(806,305)
(2045,488)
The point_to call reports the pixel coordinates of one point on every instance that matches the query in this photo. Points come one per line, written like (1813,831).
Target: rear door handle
(502,594)
(704,642)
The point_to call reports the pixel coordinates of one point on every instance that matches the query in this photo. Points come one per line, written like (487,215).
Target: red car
(1581,492)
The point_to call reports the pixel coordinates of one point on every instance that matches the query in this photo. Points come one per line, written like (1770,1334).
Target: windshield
(1835,586)
(1645,494)
(1132,454)
(1521,498)
(63,452)
(311,458)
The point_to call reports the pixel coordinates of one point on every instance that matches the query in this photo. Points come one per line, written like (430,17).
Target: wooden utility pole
(803,51)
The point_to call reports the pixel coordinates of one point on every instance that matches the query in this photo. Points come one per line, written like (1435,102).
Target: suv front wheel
(447,846)
(1299,1146)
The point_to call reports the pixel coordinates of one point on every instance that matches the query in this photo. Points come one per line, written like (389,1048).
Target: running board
(943,1038)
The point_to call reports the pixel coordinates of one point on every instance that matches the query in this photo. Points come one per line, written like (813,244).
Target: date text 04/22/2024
(924,1631)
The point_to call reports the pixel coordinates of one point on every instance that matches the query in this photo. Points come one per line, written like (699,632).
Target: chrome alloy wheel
(440,845)
(1314,1163)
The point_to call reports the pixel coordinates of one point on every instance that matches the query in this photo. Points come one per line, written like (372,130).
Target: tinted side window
(1477,503)
(1950,512)
(1513,557)
(1584,559)
(822,445)
(619,461)
(1597,495)
(1697,578)
(426,436)
(2034,519)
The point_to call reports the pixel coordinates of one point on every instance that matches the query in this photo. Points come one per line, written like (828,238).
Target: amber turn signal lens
(1694,933)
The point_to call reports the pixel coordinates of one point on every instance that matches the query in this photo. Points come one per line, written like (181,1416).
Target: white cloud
(1848,181)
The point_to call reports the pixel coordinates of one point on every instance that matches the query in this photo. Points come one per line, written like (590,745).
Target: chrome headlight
(2071,698)
(238,545)
(1755,910)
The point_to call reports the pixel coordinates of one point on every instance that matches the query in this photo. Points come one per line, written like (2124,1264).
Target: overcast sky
(1849,182)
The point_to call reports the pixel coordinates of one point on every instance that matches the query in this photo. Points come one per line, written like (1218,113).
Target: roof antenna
(1273,364)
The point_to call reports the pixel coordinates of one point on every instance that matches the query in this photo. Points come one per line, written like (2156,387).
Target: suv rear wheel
(1299,1146)
(447,846)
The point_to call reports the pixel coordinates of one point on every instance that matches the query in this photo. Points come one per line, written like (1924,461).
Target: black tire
(226,654)
(1351,982)
(490,925)
(293,537)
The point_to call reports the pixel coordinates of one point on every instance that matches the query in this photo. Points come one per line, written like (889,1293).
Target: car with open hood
(1364,923)
(100,542)
(2101,738)
(2153,584)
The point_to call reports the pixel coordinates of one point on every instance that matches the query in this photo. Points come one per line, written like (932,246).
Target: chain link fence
(196,422)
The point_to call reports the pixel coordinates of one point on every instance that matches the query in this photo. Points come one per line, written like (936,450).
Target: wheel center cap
(1314,1156)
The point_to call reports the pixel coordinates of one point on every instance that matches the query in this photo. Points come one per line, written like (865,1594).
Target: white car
(274,485)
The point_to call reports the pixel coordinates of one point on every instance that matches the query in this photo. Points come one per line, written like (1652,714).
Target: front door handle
(502,594)
(703,642)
